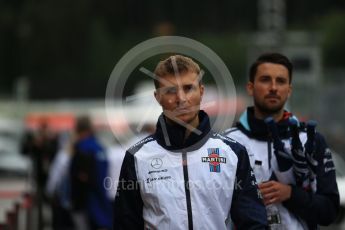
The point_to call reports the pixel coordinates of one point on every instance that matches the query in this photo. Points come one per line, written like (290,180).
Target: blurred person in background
(291,162)
(184,175)
(41,145)
(58,188)
(88,170)
(116,153)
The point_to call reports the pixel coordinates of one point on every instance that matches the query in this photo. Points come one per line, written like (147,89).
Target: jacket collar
(174,134)
(257,129)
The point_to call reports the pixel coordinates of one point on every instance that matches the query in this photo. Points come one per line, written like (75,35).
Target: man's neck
(262,115)
(193,124)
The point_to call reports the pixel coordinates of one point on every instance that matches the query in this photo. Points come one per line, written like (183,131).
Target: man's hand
(274,192)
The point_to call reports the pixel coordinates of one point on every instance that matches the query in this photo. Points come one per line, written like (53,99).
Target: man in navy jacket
(88,171)
(185,176)
(292,163)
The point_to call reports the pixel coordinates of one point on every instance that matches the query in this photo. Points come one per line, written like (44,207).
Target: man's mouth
(181,110)
(275,97)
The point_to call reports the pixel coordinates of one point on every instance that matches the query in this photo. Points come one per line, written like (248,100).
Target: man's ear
(250,87)
(290,91)
(202,89)
(157,96)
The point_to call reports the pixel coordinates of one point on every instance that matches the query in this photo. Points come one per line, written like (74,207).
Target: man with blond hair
(185,176)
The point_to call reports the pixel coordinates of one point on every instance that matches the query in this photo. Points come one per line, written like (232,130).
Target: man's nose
(181,95)
(273,86)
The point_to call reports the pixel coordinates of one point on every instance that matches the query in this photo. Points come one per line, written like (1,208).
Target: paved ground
(11,190)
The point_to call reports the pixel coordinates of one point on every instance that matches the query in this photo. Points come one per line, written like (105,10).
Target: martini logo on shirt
(213,159)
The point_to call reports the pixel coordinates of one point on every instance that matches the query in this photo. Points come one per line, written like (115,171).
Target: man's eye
(281,81)
(265,79)
(188,88)
(170,90)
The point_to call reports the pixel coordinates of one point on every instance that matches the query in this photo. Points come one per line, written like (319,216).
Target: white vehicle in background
(12,162)
(14,167)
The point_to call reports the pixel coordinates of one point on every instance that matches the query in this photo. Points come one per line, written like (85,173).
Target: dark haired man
(299,192)
(185,176)
(88,170)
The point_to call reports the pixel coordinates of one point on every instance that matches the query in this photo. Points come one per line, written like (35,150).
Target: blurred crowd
(75,174)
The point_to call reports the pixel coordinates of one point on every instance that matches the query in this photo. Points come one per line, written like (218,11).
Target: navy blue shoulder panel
(136,147)
(231,130)
(234,145)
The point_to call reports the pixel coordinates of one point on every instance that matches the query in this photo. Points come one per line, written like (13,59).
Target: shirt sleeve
(247,210)
(321,207)
(128,205)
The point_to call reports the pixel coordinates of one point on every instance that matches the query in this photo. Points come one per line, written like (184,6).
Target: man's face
(271,88)
(180,97)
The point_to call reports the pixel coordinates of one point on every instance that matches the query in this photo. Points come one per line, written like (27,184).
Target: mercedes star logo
(156,163)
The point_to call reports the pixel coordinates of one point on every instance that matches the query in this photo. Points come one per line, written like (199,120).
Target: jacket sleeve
(128,205)
(321,207)
(247,209)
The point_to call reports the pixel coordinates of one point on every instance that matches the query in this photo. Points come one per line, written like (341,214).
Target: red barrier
(27,207)
(19,216)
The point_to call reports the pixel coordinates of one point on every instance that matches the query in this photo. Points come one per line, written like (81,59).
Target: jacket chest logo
(156,163)
(213,159)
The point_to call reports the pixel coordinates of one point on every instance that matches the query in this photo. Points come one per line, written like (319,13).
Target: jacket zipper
(269,149)
(186,187)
